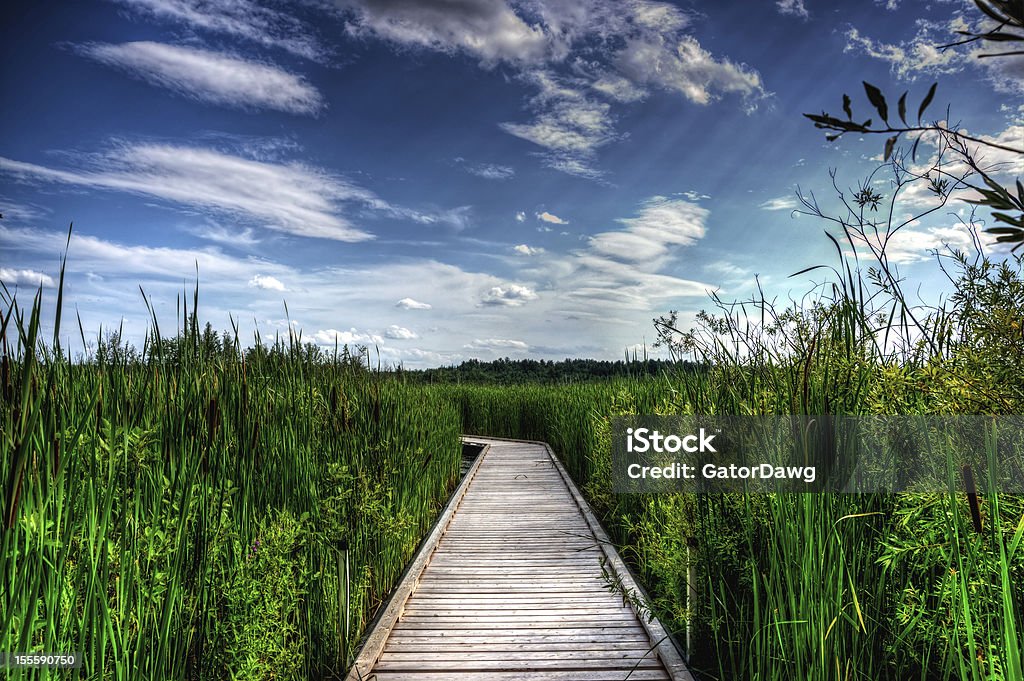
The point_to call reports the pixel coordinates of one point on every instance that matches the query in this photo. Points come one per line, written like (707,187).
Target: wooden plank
(526,658)
(513,588)
(601,621)
(674,664)
(587,675)
(514,644)
(510,634)
(526,665)
(516,610)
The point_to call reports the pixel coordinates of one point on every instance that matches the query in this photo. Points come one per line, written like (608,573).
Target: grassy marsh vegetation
(187,514)
(193,511)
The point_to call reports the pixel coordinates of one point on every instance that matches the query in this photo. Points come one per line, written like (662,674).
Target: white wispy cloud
(571,129)
(618,88)
(681,64)
(396,332)
(116,260)
(20,212)
(210,76)
(497,344)
(13,277)
(490,171)
(248,19)
(572,165)
(328,338)
(266,282)
(552,218)
(622,272)
(917,244)
(660,224)
(291,198)
(575,56)
(779,203)
(919,55)
(510,295)
(695,196)
(220,234)
(410,304)
(523,249)
(794,8)
(728,268)
(520,216)
(489,30)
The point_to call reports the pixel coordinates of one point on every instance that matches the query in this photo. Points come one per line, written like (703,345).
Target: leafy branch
(1005,13)
(996,197)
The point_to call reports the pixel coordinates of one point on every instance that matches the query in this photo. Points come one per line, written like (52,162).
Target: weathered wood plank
(513,588)
(549,675)
(526,665)
(515,644)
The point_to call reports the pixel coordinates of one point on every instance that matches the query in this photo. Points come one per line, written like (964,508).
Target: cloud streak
(292,198)
(410,304)
(487,29)
(550,217)
(794,8)
(13,277)
(246,19)
(210,76)
(266,282)
(491,171)
(661,224)
(511,295)
(497,345)
(779,203)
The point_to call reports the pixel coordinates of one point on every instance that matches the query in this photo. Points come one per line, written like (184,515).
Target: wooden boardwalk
(510,586)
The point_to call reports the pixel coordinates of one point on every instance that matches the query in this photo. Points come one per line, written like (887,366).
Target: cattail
(212,419)
(5,378)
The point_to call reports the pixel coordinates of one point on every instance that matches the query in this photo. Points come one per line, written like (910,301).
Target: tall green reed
(178,512)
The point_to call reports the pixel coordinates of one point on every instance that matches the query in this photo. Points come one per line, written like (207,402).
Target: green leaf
(846,107)
(823,119)
(1002,217)
(913,150)
(927,100)
(903,108)
(877,100)
(808,269)
(889,144)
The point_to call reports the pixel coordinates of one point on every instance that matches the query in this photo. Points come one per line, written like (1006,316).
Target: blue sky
(446,179)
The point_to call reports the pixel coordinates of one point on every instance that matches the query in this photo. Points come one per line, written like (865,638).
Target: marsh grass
(193,511)
(811,586)
(180,513)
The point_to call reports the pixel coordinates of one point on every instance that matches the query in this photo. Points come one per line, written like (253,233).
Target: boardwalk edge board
(380,628)
(660,638)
